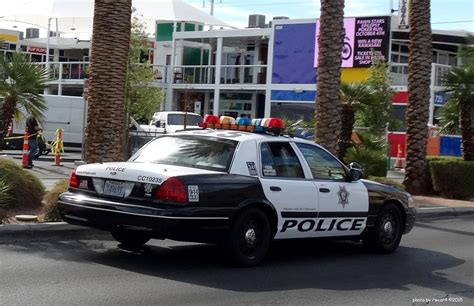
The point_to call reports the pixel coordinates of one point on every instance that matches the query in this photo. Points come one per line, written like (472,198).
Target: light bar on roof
(266,125)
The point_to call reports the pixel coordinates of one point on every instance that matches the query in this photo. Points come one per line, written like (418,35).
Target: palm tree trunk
(328,100)
(348,120)
(6,115)
(467,129)
(106,116)
(419,80)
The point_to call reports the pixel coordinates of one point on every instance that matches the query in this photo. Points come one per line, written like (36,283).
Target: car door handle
(275,188)
(325,190)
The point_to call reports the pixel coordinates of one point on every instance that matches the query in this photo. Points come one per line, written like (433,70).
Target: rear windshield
(178,119)
(207,153)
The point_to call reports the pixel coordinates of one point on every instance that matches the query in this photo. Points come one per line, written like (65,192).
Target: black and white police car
(237,188)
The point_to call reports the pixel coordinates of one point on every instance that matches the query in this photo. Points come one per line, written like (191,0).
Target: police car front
(237,188)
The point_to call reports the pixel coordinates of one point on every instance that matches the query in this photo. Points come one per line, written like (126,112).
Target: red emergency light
(266,125)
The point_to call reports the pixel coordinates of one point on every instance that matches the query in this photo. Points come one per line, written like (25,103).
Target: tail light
(73,181)
(171,190)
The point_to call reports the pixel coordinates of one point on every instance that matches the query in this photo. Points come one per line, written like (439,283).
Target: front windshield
(178,119)
(190,151)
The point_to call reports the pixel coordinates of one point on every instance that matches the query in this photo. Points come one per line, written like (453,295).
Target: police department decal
(343,196)
(193,193)
(252,168)
(148,188)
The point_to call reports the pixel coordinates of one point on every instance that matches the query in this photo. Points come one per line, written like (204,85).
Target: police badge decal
(343,196)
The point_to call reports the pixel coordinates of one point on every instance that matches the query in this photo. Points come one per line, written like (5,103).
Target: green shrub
(50,202)
(453,178)
(24,189)
(3,216)
(387,181)
(371,153)
(4,198)
(373,162)
(429,177)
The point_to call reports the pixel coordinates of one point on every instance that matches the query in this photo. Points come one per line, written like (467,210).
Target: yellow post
(57,147)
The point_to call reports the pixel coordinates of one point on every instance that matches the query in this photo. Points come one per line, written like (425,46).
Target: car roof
(242,136)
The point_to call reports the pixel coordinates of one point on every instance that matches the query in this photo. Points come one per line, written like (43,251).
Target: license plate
(115,189)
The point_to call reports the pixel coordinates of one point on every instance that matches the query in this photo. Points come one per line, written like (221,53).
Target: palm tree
(448,117)
(460,81)
(419,80)
(21,85)
(353,95)
(106,116)
(330,39)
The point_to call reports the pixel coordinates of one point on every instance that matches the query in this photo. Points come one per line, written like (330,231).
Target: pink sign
(347,53)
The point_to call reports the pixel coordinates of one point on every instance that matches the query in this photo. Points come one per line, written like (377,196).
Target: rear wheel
(387,232)
(130,239)
(249,237)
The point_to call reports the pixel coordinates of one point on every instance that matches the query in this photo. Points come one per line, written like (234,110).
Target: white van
(64,112)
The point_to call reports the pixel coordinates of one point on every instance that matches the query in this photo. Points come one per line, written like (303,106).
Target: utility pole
(212,11)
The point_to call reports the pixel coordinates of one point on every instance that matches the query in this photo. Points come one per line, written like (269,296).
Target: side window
(280,160)
(323,165)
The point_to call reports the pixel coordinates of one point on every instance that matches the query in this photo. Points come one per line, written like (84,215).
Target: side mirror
(355,174)
(355,165)
(158,124)
(355,171)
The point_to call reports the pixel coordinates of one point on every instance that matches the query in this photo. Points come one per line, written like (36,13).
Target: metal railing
(59,71)
(399,74)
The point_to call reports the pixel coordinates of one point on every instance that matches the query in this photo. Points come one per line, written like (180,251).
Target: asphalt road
(435,261)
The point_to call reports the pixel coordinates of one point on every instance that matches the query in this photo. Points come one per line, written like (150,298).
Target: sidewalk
(44,168)
(437,207)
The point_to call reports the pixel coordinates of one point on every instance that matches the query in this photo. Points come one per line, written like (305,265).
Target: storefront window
(293,111)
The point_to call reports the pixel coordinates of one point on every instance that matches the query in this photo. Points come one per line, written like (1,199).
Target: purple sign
(348,47)
(362,35)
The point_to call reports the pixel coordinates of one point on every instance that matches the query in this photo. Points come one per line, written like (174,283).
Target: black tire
(385,236)
(130,239)
(249,237)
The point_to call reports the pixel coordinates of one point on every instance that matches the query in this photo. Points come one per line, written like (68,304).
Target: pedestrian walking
(33,128)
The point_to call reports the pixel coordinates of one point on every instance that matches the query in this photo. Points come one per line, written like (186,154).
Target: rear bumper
(184,223)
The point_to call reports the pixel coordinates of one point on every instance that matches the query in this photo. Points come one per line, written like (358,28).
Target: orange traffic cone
(24,158)
(398,163)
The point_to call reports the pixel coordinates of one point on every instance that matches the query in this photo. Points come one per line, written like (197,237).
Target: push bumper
(183,223)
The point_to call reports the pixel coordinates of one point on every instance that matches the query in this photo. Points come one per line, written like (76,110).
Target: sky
(236,12)
(445,14)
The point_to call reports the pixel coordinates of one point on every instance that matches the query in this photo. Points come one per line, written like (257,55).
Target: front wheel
(387,232)
(249,237)
(130,239)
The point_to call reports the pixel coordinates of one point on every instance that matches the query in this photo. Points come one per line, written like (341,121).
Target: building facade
(259,71)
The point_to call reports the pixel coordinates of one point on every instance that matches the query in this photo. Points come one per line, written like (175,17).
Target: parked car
(239,189)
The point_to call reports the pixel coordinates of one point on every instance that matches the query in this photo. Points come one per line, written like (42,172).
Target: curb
(49,230)
(443,212)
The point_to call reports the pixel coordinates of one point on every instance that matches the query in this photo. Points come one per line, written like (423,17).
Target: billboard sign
(362,35)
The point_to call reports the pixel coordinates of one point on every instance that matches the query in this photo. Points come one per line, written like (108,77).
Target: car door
(286,186)
(343,204)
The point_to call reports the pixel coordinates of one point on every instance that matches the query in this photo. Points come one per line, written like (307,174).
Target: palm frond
(24,82)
